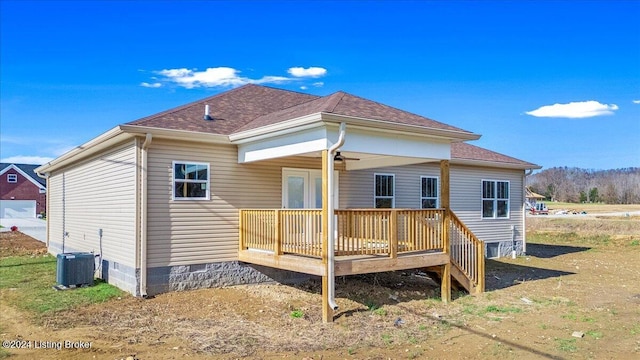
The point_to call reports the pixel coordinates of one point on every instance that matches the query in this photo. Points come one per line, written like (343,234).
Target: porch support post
(393,234)
(278,245)
(445,291)
(327,312)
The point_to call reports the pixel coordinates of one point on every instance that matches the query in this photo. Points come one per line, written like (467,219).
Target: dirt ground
(532,307)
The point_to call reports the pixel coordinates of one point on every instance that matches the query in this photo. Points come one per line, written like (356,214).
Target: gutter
(144,215)
(330,221)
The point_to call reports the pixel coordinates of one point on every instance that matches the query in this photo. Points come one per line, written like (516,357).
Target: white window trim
(393,198)
(173,181)
(12,178)
(495,212)
(437,190)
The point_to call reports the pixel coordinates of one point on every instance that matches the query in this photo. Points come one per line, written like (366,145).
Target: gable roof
(27,170)
(253,106)
(464,152)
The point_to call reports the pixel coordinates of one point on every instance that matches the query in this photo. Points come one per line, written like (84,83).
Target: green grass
(567,238)
(31,280)
(297,314)
(595,334)
(567,345)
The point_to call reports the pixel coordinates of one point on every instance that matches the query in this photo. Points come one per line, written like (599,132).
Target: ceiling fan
(340,157)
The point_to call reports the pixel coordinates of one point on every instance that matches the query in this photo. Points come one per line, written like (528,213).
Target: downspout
(524,210)
(330,221)
(143,218)
(46,204)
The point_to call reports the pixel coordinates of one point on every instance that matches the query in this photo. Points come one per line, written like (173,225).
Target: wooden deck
(367,241)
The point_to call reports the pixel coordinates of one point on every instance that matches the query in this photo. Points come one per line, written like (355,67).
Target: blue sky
(550,82)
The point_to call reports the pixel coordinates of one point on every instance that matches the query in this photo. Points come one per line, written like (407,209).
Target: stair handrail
(477,275)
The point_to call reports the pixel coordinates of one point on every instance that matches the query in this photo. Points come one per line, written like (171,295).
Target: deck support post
(327,311)
(445,286)
(445,203)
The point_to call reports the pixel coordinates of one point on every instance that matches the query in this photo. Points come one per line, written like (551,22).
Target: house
(23,194)
(239,188)
(532,198)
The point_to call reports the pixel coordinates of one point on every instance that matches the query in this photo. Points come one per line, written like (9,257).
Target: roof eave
(173,134)
(495,164)
(94,145)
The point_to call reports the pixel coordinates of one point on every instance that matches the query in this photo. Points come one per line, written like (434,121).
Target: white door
(302,189)
(17,209)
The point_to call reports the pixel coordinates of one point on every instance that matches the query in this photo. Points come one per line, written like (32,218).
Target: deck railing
(467,251)
(282,231)
(358,232)
(388,231)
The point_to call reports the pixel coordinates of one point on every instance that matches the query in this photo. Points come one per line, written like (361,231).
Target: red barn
(23,194)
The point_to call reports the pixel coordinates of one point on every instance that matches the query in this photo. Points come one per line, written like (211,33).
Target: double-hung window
(495,199)
(12,178)
(190,181)
(429,192)
(384,192)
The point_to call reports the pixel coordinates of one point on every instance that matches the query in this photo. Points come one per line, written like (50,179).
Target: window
(12,178)
(384,191)
(429,192)
(190,181)
(495,199)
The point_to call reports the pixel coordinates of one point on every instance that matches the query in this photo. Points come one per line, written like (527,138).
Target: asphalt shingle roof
(464,151)
(253,106)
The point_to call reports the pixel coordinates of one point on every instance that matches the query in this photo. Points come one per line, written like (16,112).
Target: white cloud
(303,87)
(318,84)
(636,101)
(574,110)
(25,159)
(225,76)
(150,85)
(313,71)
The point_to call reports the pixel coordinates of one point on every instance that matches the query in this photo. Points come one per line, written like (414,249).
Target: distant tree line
(618,186)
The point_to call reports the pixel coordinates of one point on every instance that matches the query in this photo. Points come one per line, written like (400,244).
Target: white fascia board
(301,142)
(451,135)
(395,144)
(494,164)
(29,177)
(101,142)
(281,128)
(162,133)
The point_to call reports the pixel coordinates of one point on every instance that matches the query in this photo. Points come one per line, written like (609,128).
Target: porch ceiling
(374,148)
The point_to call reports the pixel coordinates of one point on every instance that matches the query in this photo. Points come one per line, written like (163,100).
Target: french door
(302,189)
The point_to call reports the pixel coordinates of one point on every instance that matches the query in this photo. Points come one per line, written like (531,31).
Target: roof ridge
(334,99)
(316,97)
(181,107)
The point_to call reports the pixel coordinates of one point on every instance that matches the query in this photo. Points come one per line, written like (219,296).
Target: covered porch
(328,241)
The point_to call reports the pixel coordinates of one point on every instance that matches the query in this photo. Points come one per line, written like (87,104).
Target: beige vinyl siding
(99,193)
(356,187)
(183,232)
(466,201)
(54,209)
(356,191)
